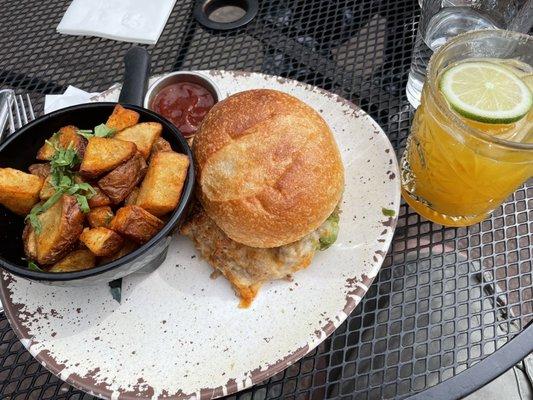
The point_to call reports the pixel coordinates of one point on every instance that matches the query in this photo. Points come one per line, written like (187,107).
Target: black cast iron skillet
(19,151)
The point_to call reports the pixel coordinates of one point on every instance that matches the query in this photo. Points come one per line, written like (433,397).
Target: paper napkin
(138,21)
(71,97)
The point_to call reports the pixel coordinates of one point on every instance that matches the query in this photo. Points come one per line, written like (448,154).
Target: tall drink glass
(456,171)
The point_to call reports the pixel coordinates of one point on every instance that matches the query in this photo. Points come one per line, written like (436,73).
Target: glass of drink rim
(490,44)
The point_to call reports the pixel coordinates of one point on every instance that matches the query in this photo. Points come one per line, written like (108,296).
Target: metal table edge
(485,371)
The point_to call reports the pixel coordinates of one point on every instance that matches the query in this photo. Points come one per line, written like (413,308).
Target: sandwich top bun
(269,170)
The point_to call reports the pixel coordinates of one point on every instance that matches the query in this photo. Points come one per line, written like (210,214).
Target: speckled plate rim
(358,288)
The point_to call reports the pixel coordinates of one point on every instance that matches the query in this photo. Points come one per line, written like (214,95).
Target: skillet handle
(136,73)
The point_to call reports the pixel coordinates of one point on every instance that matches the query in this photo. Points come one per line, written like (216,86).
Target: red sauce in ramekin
(185,104)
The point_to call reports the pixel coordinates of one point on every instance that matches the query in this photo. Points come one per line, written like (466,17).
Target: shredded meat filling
(247,268)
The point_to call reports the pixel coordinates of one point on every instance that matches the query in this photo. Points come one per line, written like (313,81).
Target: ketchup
(185,104)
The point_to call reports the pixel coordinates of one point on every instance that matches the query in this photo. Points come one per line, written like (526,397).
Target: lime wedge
(486,92)
(528,80)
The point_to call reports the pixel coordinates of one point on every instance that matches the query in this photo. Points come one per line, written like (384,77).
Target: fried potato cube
(61,227)
(47,190)
(122,118)
(132,197)
(68,136)
(136,224)
(78,260)
(100,216)
(29,239)
(161,189)
(46,152)
(119,183)
(19,191)
(104,154)
(160,145)
(99,199)
(42,170)
(143,135)
(126,248)
(101,241)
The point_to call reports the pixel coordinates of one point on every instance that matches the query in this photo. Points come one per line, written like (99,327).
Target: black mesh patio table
(451,307)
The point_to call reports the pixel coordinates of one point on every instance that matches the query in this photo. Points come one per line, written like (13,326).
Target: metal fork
(15,111)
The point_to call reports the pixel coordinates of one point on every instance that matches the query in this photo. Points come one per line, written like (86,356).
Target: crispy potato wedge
(126,248)
(77,260)
(160,145)
(29,239)
(46,152)
(19,191)
(47,190)
(132,197)
(136,224)
(104,154)
(100,199)
(122,118)
(143,135)
(119,183)
(101,241)
(100,216)
(68,136)
(160,191)
(42,170)
(61,227)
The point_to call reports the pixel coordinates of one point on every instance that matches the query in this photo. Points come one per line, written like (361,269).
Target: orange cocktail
(465,155)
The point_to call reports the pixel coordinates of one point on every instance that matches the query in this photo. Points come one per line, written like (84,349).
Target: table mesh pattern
(444,299)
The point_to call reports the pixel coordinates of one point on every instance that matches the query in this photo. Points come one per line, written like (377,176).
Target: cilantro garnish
(62,180)
(388,212)
(83,203)
(63,157)
(34,221)
(86,133)
(101,130)
(40,208)
(33,267)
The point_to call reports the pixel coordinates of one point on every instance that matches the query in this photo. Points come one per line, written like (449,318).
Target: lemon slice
(486,92)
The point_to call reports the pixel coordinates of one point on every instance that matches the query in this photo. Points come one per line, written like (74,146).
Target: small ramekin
(181,76)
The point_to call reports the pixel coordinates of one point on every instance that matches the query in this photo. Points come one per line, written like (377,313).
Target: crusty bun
(269,170)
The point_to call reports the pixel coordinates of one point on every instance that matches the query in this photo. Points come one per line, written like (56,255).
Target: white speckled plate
(179,334)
